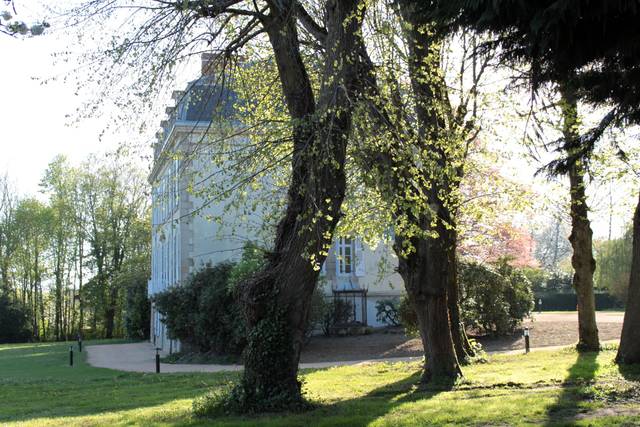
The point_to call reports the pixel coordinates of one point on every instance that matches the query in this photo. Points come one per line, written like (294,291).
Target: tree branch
(309,24)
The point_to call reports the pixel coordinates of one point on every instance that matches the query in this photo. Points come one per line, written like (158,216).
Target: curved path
(141,357)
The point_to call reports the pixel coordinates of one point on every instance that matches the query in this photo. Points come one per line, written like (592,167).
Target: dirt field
(546,329)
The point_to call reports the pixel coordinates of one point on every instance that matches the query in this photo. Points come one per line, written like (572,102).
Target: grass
(544,388)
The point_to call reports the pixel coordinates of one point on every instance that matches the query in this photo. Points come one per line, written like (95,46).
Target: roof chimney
(213,62)
(209,63)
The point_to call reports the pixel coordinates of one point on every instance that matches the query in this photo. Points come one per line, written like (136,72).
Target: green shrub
(219,318)
(215,403)
(387,311)
(494,301)
(569,301)
(14,324)
(235,399)
(327,312)
(177,305)
(203,313)
(340,311)
(560,282)
(336,311)
(518,292)
(252,260)
(137,307)
(318,311)
(538,278)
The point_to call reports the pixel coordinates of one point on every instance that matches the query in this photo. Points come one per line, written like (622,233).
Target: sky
(35,117)
(38,120)
(38,110)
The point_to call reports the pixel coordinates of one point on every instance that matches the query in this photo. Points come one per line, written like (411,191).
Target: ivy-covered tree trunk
(582,260)
(276,301)
(629,349)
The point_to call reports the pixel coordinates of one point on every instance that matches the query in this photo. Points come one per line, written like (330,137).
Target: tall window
(345,256)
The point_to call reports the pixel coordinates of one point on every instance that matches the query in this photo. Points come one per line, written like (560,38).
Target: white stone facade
(184,239)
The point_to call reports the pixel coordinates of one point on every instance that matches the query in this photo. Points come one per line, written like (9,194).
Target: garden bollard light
(157,361)
(526,340)
(70,355)
(80,345)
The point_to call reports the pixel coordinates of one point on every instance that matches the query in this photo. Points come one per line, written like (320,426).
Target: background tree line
(75,259)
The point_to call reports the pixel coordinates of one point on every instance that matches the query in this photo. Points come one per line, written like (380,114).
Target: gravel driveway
(547,330)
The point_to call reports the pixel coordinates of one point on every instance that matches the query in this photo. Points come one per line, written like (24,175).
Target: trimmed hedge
(552,301)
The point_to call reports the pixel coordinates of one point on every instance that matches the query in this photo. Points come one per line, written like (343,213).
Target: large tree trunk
(109,323)
(110,312)
(415,189)
(276,301)
(4,276)
(629,350)
(583,263)
(582,259)
(426,284)
(58,302)
(461,343)
(80,302)
(430,274)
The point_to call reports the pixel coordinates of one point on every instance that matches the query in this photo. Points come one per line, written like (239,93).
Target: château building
(185,238)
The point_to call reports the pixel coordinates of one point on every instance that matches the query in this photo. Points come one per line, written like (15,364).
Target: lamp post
(526,340)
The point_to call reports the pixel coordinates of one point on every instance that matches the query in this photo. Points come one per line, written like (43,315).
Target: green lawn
(552,388)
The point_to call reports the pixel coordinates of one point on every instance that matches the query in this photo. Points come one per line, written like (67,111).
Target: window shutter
(359,257)
(338,255)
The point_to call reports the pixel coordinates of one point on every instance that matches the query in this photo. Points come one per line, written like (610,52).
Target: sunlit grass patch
(560,387)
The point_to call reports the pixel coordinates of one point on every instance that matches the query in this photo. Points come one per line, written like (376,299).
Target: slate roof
(204,100)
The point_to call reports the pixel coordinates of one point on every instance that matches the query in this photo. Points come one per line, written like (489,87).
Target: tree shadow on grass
(377,403)
(354,412)
(580,376)
(49,399)
(93,391)
(630,372)
(36,382)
